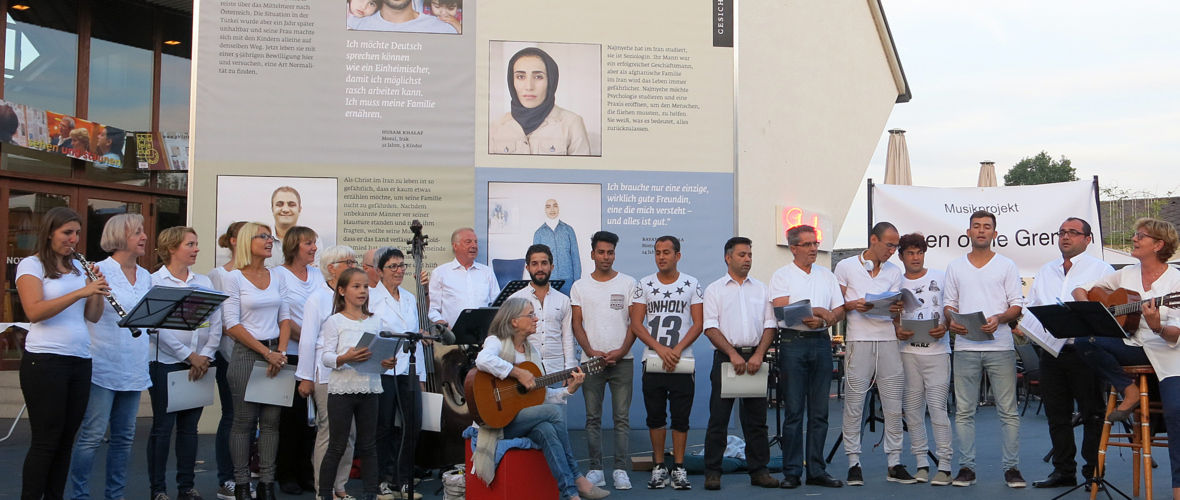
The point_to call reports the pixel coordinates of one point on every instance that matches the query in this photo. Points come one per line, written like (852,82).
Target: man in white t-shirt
(984,281)
(1067,377)
(805,359)
(601,325)
(927,364)
(873,354)
(554,339)
(666,315)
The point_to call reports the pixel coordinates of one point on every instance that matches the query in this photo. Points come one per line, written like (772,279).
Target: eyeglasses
(810,244)
(891,246)
(1071,233)
(1141,235)
(531,315)
(266,237)
(349,263)
(396,267)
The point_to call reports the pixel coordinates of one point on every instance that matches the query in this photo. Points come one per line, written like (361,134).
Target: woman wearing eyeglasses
(314,377)
(1154,342)
(258,318)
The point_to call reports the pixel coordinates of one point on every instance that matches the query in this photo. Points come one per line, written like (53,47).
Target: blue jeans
(118,409)
(545,425)
(184,421)
(805,366)
(225,463)
(1170,394)
(1109,355)
(1001,372)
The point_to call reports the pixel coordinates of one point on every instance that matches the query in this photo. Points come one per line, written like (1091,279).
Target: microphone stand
(412,338)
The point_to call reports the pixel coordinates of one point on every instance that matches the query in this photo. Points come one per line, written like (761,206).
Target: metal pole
(870,193)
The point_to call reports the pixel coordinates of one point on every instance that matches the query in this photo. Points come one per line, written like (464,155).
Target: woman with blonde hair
(55,364)
(225,463)
(120,362)
(257,316)
(178,350)
(294,470)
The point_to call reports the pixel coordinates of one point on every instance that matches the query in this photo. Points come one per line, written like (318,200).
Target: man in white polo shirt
(873,353)
(1067,378)
(984,281)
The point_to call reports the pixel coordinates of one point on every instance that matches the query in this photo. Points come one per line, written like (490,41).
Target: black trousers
(400,394)
(343,409)
(56,389)
(296,440)
(753,418)
(1065,380)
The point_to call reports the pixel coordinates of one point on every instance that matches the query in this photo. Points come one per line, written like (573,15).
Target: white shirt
(120,360)
(297,292)
(454,288)
(605,312)
(176,345)
(741,311)
(399,316)
(66,332)
(554,339)
(819,286)
(990,289)
(669,308)
(340,334)
(1052,284)
(258,311)
(851,274)
(1164,356)
(488,360)
(316,311)
(217,277)
(928,290)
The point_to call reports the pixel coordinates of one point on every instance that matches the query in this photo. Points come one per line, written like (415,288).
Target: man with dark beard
(399,15)
(555,337)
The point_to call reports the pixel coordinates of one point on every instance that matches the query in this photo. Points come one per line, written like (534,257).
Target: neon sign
(788,217)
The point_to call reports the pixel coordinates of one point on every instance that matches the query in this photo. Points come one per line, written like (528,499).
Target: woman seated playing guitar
(505,347)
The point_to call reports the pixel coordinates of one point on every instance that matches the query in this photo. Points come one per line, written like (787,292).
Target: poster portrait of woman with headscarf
(539,120)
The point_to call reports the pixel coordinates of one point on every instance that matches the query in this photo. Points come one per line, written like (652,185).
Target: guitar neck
(553,378)
(1134,307)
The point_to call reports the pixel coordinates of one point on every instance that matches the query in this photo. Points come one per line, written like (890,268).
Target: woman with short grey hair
(120,362)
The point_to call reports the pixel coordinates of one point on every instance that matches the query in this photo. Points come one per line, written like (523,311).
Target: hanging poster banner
(62,134)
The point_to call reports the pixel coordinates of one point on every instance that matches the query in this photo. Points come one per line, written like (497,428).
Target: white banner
(1027,218)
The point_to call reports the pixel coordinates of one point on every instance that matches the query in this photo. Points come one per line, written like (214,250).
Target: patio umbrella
(987,174)
(897,159)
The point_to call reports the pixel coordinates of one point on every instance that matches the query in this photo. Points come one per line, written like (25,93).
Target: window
(175,73)
(31,161)
(40,64)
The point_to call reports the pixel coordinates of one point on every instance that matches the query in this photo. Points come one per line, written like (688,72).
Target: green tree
(1040,169)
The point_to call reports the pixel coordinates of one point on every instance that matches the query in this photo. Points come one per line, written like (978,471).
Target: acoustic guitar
(1127,306)
(494,402)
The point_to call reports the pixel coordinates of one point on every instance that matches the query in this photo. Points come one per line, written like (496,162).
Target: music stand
(173,308)
(473,324)
(518,285)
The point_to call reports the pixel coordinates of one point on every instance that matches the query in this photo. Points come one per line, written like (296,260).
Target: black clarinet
(135,332)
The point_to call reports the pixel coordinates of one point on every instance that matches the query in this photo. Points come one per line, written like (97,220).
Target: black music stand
(473,324)
(518,285)
(173,308)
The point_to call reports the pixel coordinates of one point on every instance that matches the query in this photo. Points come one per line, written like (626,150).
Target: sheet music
(910,301)
(921,329)
(184,394)
(792,315)
(278,390)
(654,364)
(1033,330)
(974,323)
(881,303)
(381,348)
(745,385)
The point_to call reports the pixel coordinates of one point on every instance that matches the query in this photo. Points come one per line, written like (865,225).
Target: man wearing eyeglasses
(1067,378)
(873,354)
(805,359)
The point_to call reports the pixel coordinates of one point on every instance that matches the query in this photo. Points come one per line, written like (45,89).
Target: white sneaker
(596,478)
(622,480)
(659,478)
(385,492)
(680,479)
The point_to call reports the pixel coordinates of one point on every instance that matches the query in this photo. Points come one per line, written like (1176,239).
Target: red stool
(522,474)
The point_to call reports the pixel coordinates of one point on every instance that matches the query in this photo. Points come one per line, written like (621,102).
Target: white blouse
(120,360)
(1164,356)
(297,292)
(489,361)
(340,334)
(217,278)
(259,311)
(316,312)
(176,345)
(66,332)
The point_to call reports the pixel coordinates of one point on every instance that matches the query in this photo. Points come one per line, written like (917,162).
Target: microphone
(447,336)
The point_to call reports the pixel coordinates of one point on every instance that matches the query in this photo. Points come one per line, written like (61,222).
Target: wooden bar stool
(1140,438)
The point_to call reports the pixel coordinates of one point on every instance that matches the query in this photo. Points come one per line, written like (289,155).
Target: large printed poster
(507,116)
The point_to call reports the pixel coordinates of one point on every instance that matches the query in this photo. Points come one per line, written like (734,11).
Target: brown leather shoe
(764,480)
(712,481)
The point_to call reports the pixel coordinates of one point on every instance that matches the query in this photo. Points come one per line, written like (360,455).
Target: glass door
(99,206)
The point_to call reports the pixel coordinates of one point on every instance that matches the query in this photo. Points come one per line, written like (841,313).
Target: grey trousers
(927,385)
(866,362)
(620,377)
(321,440)
(247,416)
(1001,372)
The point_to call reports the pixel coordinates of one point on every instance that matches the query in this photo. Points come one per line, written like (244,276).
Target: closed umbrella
(987,174)
(897,159)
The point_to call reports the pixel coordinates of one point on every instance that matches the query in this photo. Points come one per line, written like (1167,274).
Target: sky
(1095,81)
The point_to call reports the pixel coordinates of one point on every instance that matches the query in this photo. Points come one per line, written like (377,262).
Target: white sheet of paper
(1032,329)
(653,364)
(921,329)
(973,322)
(909,300)
(277,391)
(380,348)
(792,315)
(881,303)
(184,394)
(745,385)
(432,404)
